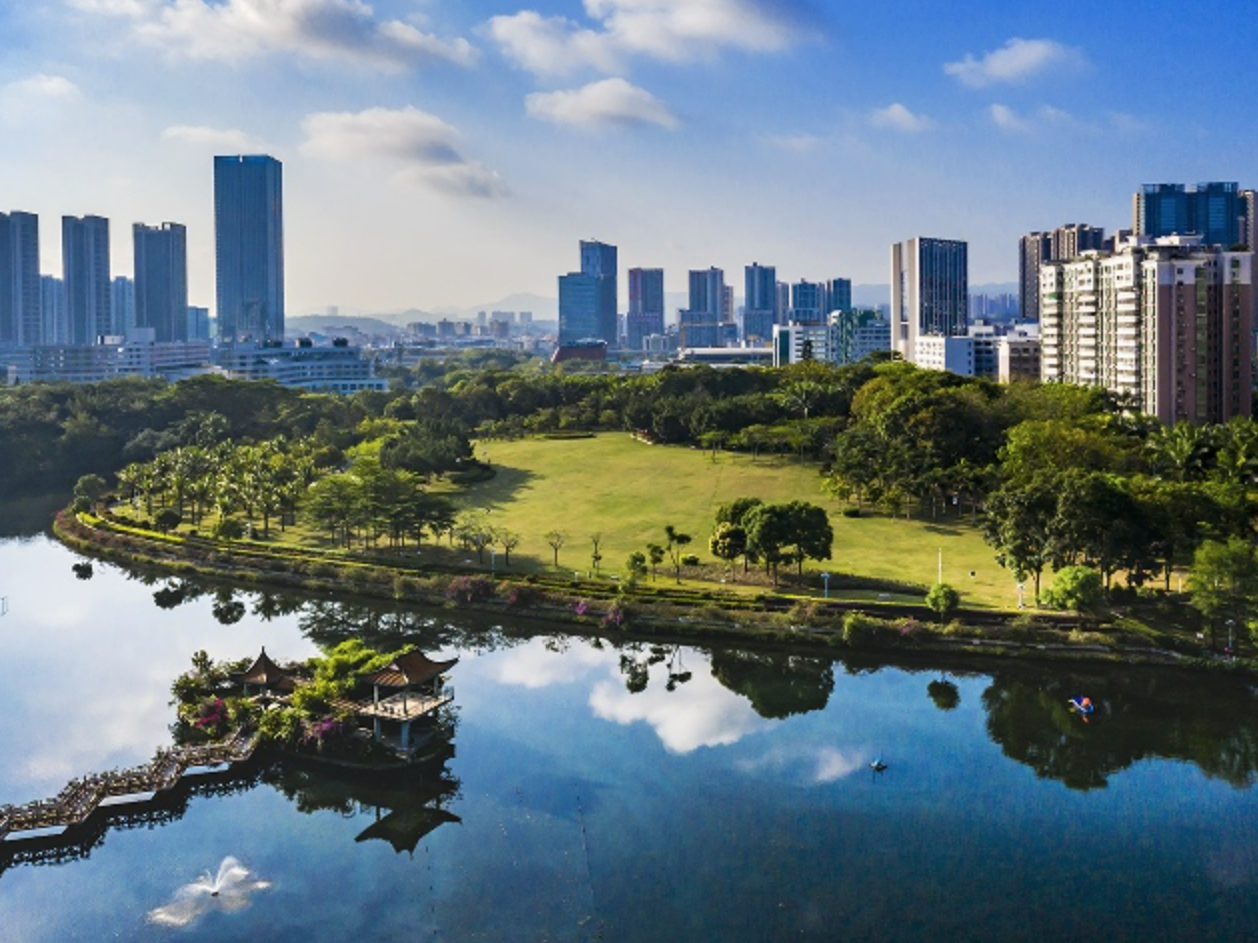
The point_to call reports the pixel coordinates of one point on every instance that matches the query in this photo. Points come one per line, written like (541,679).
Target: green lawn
(628,491)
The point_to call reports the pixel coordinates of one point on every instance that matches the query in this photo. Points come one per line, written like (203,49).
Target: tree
(1224,583)
(655,553)
(556,539)
(1078,588)
(811,533)
(635,568)
(508,540)
(676,540)
(596,541)
(943,600)
(91,488)
(728,542)
(769,532)
(1018,525)
(167,520)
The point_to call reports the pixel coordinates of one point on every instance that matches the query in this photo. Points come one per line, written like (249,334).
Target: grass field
(628,490)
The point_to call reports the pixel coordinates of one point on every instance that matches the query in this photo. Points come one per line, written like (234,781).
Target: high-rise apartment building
(1074,239)
(161,280)
(839,295)
(1036,248)
(52,304)
(21,322)
(198,323)
(809,303)
(85,272)
(1166,322)
(122,301)
(249,248)
(1215,211)
(588,299)
(700,323)
(760,302)
(929,291)
(646,305)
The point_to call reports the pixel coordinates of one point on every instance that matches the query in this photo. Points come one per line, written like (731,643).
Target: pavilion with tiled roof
(265,675)
(412,688)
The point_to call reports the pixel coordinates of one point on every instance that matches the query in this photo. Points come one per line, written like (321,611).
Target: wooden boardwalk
(81,797)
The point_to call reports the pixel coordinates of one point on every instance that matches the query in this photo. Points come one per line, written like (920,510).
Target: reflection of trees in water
(637,658)
(778,684)
(384,627)
(1212,723)
(944,694)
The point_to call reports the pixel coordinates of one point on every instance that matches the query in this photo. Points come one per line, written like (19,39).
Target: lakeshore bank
(647,611)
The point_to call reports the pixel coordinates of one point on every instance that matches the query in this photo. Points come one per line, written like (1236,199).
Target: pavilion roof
(265,672)
(411,668)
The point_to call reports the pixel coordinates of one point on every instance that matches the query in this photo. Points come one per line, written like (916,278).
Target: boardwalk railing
(81,797)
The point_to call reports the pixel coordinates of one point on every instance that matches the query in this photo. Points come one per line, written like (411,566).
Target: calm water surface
(634,794)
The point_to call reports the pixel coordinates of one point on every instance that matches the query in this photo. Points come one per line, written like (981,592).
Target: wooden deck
(81,797)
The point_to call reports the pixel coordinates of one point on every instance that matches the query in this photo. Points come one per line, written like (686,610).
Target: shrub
(229,529)
(616,616)
(689,559)
(467,589)
(862,631)
(851,512)
(521,595)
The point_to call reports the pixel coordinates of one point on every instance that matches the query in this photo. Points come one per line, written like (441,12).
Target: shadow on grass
(941,529)
(503,488)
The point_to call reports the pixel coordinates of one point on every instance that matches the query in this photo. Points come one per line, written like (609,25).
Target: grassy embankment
(629,491)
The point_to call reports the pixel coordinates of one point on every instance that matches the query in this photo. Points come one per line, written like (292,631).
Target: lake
(598,793)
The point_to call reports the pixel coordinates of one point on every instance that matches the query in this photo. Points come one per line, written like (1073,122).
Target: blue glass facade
(85,264)
(161,280)
(588,299)
(20,304)
(249,248)
(1215,211)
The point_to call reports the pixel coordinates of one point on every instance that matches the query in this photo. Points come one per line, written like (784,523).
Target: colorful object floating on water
(877,765)
(1082,706)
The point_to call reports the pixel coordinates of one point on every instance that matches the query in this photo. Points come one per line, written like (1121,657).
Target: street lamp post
(826,577)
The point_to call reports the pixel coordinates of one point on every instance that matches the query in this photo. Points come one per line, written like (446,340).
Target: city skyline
(418,142)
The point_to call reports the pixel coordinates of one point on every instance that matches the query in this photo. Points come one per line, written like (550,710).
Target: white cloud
(37,98)
(321,29)
(1007,119)
(609,103)
(899,118)
(421,144)
(222,140)
(42,86)
(1015,61)
(672,30)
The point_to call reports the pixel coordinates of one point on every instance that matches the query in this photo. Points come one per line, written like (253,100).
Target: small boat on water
(877,765)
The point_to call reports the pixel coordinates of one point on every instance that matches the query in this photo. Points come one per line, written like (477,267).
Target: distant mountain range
(547,309)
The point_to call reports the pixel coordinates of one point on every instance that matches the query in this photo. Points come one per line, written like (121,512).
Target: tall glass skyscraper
(161,280)
(85,267)
(588,299)
(20,303)
(646,305)
(249,248)
(929,292)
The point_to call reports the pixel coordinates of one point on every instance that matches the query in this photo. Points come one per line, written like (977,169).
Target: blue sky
(447,154)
